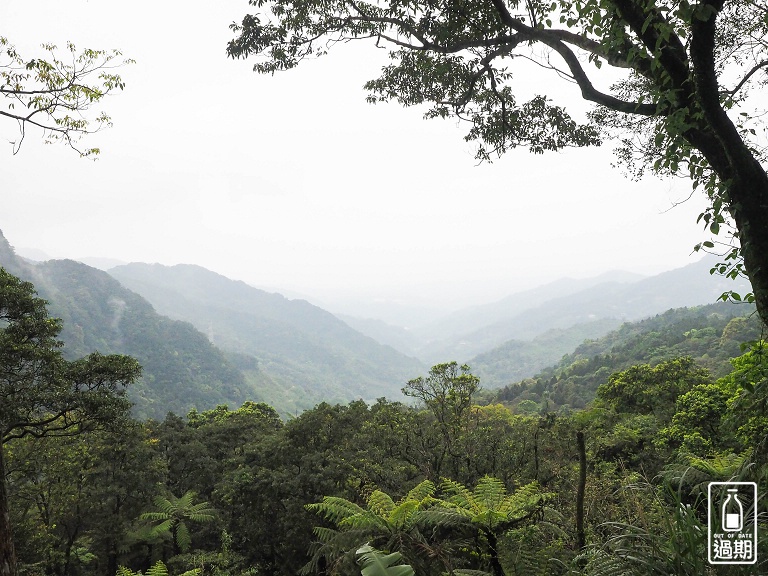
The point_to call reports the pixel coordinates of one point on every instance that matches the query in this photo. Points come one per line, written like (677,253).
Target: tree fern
(491,506)
(384,523)
(173,514)
(458,494)
(429,530)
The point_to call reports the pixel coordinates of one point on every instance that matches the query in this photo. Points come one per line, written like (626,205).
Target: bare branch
(588,91)
(746,78)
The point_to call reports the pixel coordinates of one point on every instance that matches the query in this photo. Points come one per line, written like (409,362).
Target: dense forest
(597,466)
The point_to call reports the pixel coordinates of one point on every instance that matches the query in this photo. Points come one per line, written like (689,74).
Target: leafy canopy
(456,56)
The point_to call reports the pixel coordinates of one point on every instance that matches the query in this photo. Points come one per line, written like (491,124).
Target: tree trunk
(730,156)
(580,540)
(7,551)
(749,208)
(495,563)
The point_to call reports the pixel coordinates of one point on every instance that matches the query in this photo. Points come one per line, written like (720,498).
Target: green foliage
(748,402)
(669,537)
(173,514)
(517,359)
(376,563)
(387,524)
(371,474)
(447,393)
(427,525)
(157,569)
(41,393)
(490,507)
(696,425)
(55,93)
(645,390)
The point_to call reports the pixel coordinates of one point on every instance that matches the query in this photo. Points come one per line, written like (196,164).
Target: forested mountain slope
(518,359)
(181,368)
(711,335)
(307,351)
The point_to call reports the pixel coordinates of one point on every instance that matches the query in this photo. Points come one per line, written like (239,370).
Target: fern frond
(154,516)
(380,503)
(597,562)
(401,517)
(458,493)
(163,529)
(335,509)
(159,569)
(489,519)
(183,538)
(422,491)
(201,512)
(364,521)
(443,517)
(123,571)
(164,505)
(523,500)
(186,499)
(490,493)
(324,534)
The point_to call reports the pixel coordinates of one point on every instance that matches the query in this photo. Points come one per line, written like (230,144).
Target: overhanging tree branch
(666,110)
(58,93)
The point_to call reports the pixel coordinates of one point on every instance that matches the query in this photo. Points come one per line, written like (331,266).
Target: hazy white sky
(294,182)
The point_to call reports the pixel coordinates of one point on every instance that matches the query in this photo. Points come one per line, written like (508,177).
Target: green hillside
(518,359)
(711,335)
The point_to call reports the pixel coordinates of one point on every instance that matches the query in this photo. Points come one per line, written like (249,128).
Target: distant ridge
(474,318)
(689,285)
(312,355)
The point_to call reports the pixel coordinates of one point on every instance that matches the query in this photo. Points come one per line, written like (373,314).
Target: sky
(294,183)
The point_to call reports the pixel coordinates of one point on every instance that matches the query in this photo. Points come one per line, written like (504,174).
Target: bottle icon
(733,512)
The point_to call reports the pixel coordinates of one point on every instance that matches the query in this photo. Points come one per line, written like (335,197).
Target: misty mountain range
(205,339)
